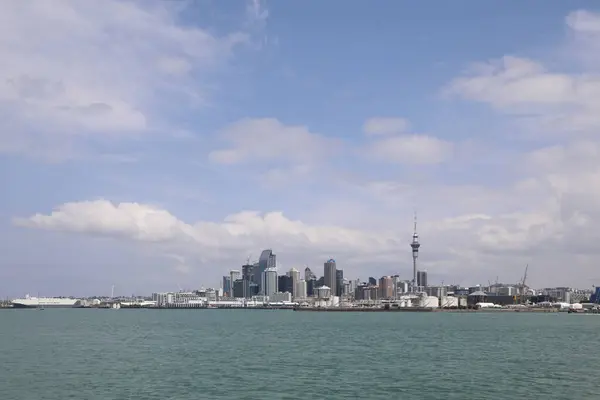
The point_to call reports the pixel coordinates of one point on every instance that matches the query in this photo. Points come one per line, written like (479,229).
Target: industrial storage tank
(430,302)
(323,292)
(449,302)
(321,303)
(334,301)
(462,301)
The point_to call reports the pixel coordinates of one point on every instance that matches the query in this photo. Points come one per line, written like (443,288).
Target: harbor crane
(522,299)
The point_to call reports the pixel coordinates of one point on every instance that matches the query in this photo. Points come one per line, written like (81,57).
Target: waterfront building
(320,281)
(284,283)
(506,291)
(473,289)
(248,278)
(238,289)
(421,279)
(346,288)
(269,281)
(227,287)
(437,291)
(234,275)
(295,275)
(386,287)
(253,289)
(311,286)
(329,275)
(281,297)
(375,292)
(308,274)
(266,260)
(300,292)
(339,282)
(364,292)
(210,294)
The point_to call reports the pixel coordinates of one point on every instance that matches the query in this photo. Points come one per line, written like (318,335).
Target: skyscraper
(386,287)
(284,283)
(234,275)
(267,260)
(269,281)
(308,274)
(295,275)
(329,275)
(247,278)
(421,279)
(339,282)
(227,286)
(301,289)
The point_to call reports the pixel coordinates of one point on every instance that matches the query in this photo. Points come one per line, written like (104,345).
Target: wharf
(365,309)
(214,308)
(425,309)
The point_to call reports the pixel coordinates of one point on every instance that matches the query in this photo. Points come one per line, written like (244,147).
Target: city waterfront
(286,355)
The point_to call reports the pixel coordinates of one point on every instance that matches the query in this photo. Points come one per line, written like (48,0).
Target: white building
(295,275)
(300,291)
(279,297)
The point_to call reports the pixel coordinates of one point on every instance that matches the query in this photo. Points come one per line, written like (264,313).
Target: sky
(157,145)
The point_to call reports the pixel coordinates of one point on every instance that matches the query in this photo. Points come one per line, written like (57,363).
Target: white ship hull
(46,302)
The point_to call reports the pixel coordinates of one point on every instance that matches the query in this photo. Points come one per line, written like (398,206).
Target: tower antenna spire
(415,228)
(415,254)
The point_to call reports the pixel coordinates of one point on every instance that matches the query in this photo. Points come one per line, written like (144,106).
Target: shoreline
(325,309)
(426,309)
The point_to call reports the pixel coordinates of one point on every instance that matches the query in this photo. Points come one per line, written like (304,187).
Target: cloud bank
(540,205)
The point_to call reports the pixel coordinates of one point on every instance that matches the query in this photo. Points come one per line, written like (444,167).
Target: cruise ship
(46,302)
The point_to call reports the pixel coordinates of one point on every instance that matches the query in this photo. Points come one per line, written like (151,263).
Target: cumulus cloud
(544,212)
(241,232)
(468,245)
(74,68)
(584,21)
(557,188)
(552,101)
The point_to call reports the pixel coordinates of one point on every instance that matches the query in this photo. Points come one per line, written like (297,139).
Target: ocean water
(237,354)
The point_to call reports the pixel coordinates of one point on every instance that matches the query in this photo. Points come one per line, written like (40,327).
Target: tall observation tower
(415,254)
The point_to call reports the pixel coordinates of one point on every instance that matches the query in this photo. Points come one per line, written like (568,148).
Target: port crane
(522,297)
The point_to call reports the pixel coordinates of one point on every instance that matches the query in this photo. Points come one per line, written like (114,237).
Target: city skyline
(162,148)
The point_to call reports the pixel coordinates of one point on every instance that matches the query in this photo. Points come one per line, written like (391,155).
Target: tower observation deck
(415,254)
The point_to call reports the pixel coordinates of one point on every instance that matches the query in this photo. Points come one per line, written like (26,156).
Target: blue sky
(156,144)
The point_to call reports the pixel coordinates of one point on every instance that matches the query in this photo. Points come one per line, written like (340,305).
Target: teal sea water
(237,354)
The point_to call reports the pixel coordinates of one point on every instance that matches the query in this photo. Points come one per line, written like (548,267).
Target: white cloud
(74,68)
(266,139)
(550,101)
(244,231)
(548,216)
(584,21)
(411,149)
(519,85)
(468,246)
(385,126)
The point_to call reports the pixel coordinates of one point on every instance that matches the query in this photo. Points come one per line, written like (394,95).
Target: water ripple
(211,354)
